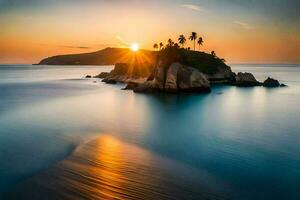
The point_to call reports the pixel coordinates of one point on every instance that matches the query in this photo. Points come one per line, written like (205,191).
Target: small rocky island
(181,70)
(171,69)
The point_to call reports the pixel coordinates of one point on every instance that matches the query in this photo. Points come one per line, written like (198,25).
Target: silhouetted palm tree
(200,42)
(170,42)
(213,53)
(155,46)
(161,45)
(181,40)
(193,37)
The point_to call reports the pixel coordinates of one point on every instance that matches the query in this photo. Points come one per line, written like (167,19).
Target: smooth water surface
(241,142)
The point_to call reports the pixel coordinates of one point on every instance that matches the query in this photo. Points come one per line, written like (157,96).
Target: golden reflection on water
(107,168)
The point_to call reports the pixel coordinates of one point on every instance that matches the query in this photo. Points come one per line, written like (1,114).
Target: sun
(134,47)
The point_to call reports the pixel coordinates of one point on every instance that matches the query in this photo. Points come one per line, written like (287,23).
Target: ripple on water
(107,168)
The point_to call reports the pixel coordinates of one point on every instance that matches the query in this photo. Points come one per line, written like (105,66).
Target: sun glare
(134,47)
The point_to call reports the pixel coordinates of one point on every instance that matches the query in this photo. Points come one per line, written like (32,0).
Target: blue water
(247,138)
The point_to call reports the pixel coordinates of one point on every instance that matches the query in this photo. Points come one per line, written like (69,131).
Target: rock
(246,80)
(222,75)
(120,69)
(191,80)
(131,86)
(171,80)
(102,75)
(283,85)
(147,87)
(270,82)
(88,76)
(199,83)
(159,77)
(109,81)
(179,78)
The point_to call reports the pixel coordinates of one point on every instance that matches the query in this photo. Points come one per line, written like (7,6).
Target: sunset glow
(134,47)
(240,31)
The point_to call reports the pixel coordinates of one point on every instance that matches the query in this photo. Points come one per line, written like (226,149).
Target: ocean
(67,137)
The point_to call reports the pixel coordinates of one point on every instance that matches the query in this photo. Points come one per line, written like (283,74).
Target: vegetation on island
(175,52)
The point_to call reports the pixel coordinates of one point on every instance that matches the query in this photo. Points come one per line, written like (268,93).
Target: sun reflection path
(107,168)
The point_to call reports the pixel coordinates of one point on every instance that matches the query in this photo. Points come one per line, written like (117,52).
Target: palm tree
(200,42)
(213,53)
(155,46)
(193,37)
(161,45)
(170,42)
(181,40)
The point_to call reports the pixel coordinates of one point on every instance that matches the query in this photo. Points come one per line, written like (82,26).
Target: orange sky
(32,32)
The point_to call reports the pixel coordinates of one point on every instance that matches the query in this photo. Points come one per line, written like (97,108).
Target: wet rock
(147,87)
(246,80)
(109,81)
(88,76)
(270,82)
(283,85)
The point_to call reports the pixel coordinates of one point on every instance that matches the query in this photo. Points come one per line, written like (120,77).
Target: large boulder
(222,75)
(159,77)
(270,82)
(171,79)
(191,80)
(246,80)
(178,78)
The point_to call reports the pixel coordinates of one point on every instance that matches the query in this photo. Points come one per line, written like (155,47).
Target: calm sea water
(234,143)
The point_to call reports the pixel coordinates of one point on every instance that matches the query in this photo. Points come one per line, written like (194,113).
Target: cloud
(192,7)
(244,25)
(74,47)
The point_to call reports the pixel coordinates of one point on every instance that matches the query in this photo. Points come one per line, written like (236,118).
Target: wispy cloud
(244,25)
(67,46)
(192,7)
(74,47)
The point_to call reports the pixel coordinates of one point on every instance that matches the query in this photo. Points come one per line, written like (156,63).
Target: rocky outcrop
(270,82)
(246,80)
(223,75)
(131,85)
(102,75)
(147,87)
(88,76)
(171,79)
(177,78)
(109,81)
(122,73)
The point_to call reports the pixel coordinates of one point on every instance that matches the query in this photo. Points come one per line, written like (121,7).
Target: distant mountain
(108,56)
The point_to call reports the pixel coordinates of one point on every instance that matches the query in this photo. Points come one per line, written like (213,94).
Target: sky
(240,31)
